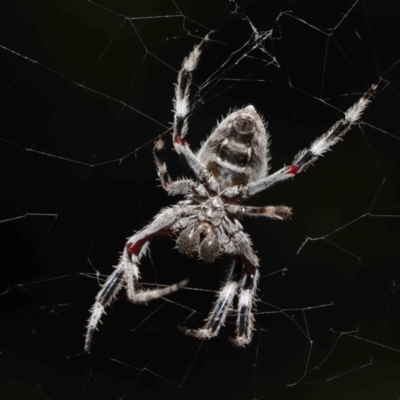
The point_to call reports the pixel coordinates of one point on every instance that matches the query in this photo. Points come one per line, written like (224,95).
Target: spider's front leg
(247,290)
(245,319)
(243,276)
(222,305)
(127,271)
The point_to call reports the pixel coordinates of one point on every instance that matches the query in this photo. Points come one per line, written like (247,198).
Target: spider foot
(279,212)
(202,333)
(240,341)
(149,295)
(273,212)
(97,312)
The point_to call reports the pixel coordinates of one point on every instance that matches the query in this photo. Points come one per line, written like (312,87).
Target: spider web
(86,87)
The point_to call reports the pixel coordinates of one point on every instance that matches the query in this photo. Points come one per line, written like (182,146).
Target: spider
(231,166)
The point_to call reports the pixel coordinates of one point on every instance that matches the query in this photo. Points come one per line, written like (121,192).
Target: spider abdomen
(236,152)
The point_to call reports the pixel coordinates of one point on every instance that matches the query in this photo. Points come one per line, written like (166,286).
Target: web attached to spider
(86,87)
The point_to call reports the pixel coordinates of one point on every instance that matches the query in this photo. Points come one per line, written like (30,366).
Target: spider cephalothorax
(231,166)
(201,235)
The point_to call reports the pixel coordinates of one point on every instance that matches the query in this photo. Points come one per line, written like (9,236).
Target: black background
(86,87)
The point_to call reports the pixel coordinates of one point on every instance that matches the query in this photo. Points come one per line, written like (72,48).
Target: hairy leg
(245,319)
(222,305)
(127,272)
(182,186)
(247,288)
(307,156)
(273,212)
(181,111)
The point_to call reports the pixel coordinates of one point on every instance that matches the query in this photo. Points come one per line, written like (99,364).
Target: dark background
(86,87)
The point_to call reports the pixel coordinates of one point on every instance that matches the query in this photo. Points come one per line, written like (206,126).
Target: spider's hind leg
(221,307)
(181,115)
(181,101)
(309,155)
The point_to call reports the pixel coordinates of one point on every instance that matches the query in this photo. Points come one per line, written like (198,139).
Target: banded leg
(182,186)
(273,212)
(245,319)
(159,160)
(221,306)
(307,156)
(181,113)
(181,102)
(247,288)
(127,272)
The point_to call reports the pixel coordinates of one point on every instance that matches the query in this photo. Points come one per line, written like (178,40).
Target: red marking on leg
(134,247)
(251,269)
(180,140)
(292,169)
